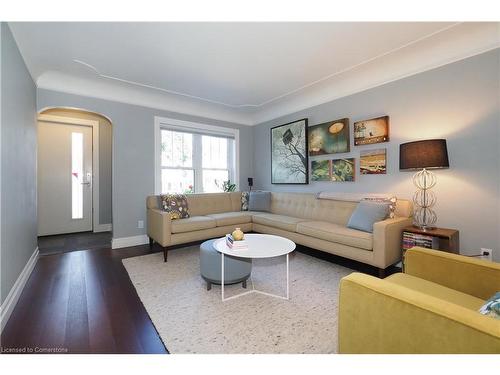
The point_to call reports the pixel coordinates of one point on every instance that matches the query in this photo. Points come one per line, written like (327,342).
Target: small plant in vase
(226,186)
(189,190)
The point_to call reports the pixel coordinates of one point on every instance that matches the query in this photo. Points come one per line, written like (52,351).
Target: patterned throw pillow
(492,307)
(176,205)
(391,201)
(244,200)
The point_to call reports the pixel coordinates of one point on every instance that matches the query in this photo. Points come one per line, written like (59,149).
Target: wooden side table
(448,239)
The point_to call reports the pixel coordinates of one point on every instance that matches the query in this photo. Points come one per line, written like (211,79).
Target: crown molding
(93,70)
(454,44)
(123,92)
(449,45)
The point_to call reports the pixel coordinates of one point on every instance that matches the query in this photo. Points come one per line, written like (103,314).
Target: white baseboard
(118,243)
(16,290)
(103,228)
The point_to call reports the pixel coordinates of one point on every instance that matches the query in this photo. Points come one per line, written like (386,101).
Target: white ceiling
(240,72)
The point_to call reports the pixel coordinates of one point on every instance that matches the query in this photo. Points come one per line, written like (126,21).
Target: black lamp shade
(431,154)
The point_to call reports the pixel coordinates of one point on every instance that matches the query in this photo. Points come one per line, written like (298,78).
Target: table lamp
(422,156)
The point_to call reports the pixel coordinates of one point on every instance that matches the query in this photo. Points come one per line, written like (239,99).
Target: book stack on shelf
(235,245)
(415,239)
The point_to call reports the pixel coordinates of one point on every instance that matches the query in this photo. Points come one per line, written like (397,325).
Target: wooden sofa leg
(151,242)
(165,254)
(209,285)
(244,284)
(381,273)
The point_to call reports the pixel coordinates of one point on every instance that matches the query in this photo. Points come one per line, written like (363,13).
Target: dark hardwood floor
(82,302)
(63,243)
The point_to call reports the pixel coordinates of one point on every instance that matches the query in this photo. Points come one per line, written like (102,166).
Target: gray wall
(133,152)
(18,150)
(459,102)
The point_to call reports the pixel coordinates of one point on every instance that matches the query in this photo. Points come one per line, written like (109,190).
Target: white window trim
(181,125)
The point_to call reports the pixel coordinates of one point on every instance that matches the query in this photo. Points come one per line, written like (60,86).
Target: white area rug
(191,319)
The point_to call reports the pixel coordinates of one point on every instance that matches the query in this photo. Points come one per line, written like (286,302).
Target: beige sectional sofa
(317,223)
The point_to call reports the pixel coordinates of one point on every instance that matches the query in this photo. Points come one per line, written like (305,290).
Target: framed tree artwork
(289,153)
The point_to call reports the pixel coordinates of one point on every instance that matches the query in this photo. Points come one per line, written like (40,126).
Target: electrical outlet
(140,224)
(487,254)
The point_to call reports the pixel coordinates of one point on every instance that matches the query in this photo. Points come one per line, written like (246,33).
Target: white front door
(64,178)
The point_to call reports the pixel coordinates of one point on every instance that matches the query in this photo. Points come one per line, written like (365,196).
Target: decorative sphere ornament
(238,234)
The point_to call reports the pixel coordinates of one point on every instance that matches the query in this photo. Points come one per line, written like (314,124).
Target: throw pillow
(176,205)
(492,307)
(366,214)
(390,201)
(259,201)
(244,200)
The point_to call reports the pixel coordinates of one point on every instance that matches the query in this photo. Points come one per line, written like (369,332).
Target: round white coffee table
(259,246)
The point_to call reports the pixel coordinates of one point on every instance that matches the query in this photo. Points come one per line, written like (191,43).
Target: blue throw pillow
(366,214)
(259,201)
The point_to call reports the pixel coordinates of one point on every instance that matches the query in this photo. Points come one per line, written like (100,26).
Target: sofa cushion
(436,290)
(193,223)
(245,195)
(176,205)
(336,233)
(231,218)
(368,213)
(278,221)
(259,201)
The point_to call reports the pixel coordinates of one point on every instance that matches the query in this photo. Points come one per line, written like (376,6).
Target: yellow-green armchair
(431,308)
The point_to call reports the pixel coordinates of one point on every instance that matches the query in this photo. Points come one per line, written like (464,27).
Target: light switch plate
(140,224)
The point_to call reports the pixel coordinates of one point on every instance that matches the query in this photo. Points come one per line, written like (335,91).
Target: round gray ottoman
(236,270)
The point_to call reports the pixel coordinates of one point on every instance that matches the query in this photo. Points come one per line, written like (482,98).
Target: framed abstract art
(329,138)
(375,130)
(373,161)
(343,170)
(321,170)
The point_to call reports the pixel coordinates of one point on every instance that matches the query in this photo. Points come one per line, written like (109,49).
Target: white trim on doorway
(96,226)
(171,123)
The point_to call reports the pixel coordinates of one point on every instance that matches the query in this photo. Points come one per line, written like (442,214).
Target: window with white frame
(193,160)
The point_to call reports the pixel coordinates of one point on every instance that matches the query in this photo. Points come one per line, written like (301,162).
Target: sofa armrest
(387,237)
(476,277)
(376,316)
(159,226)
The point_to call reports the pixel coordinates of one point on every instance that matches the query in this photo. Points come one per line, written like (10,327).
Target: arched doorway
(74,179)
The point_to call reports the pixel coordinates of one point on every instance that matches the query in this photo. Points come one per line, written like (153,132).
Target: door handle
(85,183)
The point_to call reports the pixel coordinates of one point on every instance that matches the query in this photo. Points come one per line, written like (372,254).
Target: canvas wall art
(373,161)
(329,138)
(371,131)
(289,154)
(321,170)
(343,170)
